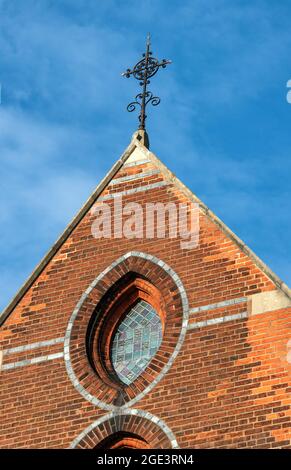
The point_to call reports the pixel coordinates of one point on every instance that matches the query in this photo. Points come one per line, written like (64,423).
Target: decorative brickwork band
(216,321)
(127,192)
(152,432)
(17,356)
(35,360)
(93,378)
(134,177)
(29,347)
(225,303)
(137,163)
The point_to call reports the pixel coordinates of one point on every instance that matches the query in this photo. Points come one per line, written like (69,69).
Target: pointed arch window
(136,340)
(91,340)
(126,332)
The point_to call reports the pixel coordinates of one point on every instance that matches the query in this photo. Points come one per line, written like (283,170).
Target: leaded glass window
(136,341)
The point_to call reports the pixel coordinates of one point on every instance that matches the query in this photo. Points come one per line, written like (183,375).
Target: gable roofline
(217,221)
(69,229)
(139,140)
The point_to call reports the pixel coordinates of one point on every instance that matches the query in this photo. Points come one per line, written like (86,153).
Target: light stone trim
(137,153)
(34,360)
(127,192)
(167,366)
(224,303)
(216,321)
(269,301)
(143,414)
(139,162)
(28,347)
(137,176)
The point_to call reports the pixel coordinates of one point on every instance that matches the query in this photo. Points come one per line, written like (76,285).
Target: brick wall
(229,385)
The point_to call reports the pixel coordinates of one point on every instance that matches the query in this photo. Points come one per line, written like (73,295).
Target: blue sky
(223,125)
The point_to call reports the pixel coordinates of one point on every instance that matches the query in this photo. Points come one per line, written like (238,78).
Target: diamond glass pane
(136,341)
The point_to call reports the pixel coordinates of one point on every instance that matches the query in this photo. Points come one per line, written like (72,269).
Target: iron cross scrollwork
(143,71)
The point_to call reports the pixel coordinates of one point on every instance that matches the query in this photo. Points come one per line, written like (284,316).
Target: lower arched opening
(123,440)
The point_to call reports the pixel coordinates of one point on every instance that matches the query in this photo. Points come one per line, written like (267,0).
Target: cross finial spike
(143,71)
(149,40)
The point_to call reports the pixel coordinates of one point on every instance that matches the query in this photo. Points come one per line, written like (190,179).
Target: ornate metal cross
(142,71)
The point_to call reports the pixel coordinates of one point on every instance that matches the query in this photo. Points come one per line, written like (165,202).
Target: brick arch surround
(153,431)
(111,311)
(84,378)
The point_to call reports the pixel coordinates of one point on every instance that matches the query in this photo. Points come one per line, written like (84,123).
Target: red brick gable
(229,383)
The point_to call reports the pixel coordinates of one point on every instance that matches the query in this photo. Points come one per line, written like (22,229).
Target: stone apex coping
(138,141)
